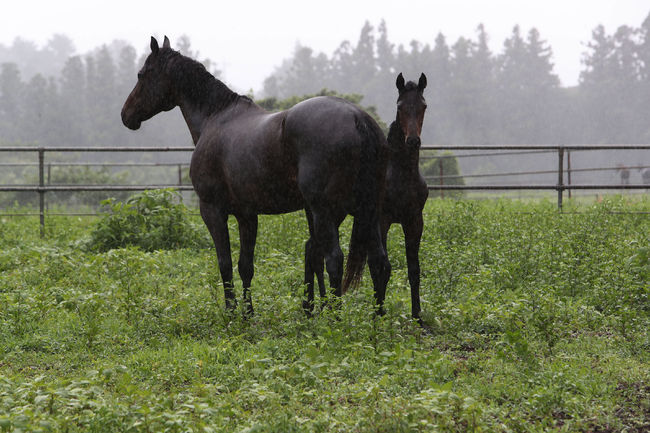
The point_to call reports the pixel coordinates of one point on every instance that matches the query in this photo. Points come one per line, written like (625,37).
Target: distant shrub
(151,220)
(430,169)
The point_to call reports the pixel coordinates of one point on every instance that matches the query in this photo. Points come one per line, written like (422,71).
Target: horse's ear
(154,45)
(422,83)
(166,43)
(400,82)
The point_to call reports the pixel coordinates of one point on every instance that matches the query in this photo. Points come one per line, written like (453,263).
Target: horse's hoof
(308,308)
(231,304)
(248,311)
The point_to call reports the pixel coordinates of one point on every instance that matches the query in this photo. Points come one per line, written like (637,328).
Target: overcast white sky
(247,39)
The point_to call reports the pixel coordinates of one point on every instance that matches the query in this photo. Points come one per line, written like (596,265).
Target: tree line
(80,105)
(475,96)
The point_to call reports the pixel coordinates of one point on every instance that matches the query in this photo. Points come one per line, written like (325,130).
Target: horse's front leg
(247,237)
(412,236)
(217,223)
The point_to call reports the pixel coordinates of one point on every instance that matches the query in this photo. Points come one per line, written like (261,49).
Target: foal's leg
(247,238)
(217,223)
(412,236)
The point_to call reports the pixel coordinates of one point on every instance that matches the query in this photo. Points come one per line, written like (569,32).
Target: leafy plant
(534,321)
(150,220)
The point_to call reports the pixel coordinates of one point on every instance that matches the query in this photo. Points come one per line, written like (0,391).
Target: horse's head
(153,91)
(410,109)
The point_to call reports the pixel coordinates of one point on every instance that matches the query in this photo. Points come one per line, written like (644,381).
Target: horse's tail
(368,189)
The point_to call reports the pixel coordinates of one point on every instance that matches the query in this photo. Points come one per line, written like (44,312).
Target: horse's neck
(400,158)
(194,119)
(214,98)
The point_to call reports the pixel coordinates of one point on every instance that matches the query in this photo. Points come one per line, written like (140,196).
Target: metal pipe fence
(42,188)
(435,183)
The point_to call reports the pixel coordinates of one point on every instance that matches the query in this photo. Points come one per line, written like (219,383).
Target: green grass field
(536,321)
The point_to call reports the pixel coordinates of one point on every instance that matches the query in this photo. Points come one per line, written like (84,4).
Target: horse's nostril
(413,141)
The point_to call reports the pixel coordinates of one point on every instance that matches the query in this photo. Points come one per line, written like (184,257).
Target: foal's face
(152,93)
(410,109)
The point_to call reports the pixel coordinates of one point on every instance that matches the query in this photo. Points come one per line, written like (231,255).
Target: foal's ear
(166,43)
(422,83)
(154,45)
(400,82)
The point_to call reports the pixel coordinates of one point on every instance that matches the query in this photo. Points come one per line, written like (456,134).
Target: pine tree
(11,107)
(644,76)
(364,61)
(385,52)
(439,125)
(72,94)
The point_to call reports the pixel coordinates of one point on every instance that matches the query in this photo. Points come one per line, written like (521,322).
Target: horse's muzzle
(129,121)
(413,142)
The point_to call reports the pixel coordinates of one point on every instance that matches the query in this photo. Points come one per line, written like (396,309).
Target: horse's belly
(269,198)
(281,205)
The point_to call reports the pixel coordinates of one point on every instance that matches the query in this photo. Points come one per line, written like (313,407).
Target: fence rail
(496,150)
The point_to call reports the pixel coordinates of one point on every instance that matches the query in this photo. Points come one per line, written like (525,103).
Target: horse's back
(327,136)
(323,119)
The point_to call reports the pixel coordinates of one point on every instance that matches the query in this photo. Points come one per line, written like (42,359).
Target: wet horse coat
(406,191)
(324,154)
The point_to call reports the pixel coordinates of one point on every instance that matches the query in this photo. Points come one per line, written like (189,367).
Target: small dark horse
(406,190)
(325,155)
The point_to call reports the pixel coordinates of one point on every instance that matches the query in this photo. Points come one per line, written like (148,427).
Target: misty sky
(247,39)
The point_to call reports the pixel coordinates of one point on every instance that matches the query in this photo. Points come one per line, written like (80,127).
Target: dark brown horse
(406,191)
(325,155)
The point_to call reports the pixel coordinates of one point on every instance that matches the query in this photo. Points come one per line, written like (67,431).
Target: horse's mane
(196,82)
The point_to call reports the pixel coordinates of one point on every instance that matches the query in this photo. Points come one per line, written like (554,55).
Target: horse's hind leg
(313,267)
(379,267)
(314,261)
(247,238)
(308,304)
(217,224)
(326,235)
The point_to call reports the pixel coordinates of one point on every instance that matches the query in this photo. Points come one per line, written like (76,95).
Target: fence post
(568,171)
(440,164)
(180,175)
(560,176)
(41,191)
